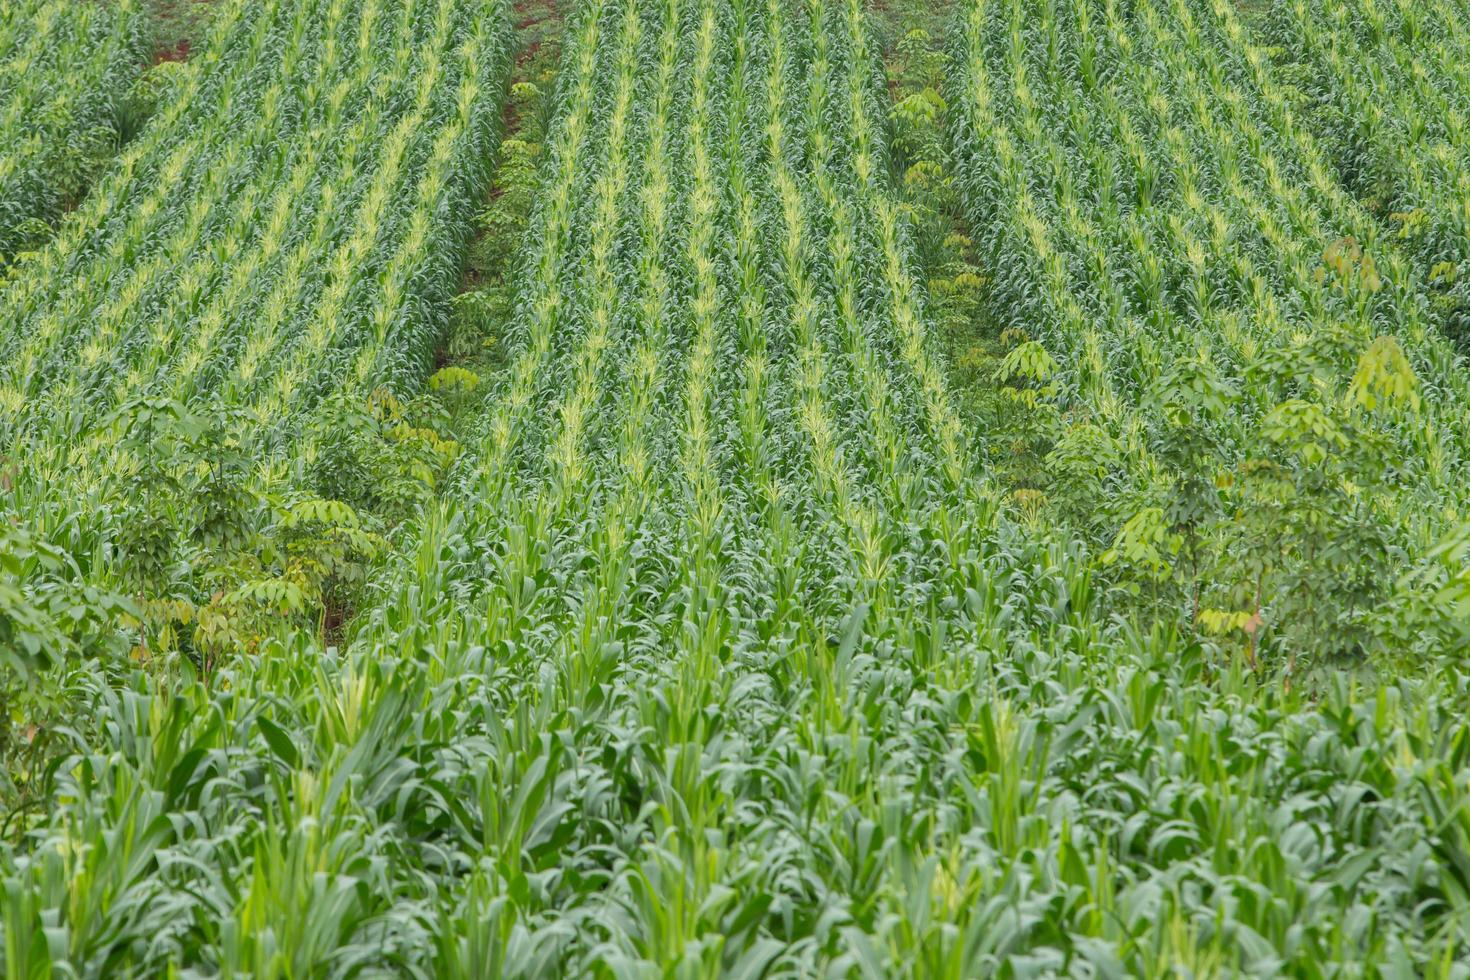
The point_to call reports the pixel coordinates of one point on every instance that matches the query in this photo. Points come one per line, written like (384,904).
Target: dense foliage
(199,373)
(719,645)
(1245,390)
(1386,85)
(66,70)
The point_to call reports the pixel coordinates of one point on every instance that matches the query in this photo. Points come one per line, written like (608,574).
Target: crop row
(1248,389)
(65,72)
(277,226)
(288,229)
(718,423)
(720,656)
(1386,85)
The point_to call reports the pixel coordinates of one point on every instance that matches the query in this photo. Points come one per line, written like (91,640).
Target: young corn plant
(1135,270)
(717,650)
(1382,86)
(65,74)
(268,307)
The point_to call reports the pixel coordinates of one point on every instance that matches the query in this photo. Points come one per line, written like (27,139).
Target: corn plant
(285,234)
(65,74)
(1385,86)
(717,652)
(1176,243)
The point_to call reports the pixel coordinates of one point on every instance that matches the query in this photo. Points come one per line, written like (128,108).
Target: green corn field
(751,488)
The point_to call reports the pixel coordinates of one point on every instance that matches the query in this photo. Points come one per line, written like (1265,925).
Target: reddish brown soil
(175,22)
(179,52)
(528,16)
